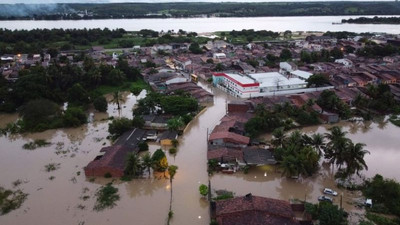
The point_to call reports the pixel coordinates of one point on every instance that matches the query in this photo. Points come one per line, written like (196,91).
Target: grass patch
(11,200)
(126,86)
(381,220)
(223,194)
(106,197)
(36,144)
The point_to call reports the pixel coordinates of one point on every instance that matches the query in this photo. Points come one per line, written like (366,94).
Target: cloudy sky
(112,1)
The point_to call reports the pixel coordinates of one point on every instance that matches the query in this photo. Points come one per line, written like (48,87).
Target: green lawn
(126,86)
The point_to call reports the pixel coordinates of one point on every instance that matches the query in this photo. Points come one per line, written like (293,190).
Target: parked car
(329,191)
(324,198)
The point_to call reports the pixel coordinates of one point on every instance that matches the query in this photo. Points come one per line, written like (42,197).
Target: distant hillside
(193,9)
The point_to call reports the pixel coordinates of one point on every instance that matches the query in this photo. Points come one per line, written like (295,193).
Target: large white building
(257,84)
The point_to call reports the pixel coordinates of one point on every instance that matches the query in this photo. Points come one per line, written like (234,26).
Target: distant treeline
(34,41)
(374,20)
(193,9)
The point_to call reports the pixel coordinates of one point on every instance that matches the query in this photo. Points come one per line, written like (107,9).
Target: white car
(329,191)
(324,198)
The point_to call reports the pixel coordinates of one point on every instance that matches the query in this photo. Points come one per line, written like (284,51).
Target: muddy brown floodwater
(146,201)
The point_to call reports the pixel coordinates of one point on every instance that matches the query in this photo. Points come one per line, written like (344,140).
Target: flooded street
(60,200)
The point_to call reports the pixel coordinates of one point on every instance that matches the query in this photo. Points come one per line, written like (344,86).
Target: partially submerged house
(167,137)
(253,210)
(111,159)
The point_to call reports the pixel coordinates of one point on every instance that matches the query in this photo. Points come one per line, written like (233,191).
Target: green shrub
(106,197)
(100,104)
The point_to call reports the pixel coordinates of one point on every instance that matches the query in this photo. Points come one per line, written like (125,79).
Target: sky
(153,1)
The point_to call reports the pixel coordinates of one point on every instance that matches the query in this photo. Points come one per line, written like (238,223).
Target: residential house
(253,210)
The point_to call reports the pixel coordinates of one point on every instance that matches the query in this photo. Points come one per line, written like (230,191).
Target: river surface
(146,201)
(278,24)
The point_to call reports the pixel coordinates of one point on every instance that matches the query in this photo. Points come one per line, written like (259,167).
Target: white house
(345,62)
(219,56)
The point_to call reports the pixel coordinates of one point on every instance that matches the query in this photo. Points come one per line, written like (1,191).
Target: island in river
(373,20)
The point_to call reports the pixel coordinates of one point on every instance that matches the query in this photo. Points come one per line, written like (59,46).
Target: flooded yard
(61,200)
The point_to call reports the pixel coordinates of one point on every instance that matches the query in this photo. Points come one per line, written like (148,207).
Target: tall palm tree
(291,166)
(278,137)
(317,141)
(355,158)
(172,171)
(336,146)
(147,161)
(117,98)
(133,166)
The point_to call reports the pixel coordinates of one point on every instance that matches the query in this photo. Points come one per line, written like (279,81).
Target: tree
(278,137)
(147,162)
(384,192)
(287,34)
(195,48)
(285,54)
(336,53)
(354,158)
(106,197)
(175,123)
(305,57)
(336,146)
(117,98)
(317,80)
(74,117)
(219,67)
(143,146)
(118,126)
(100,104)
(330,214)
(78,95)
(160,162)
(318,142)
(115,77)
(138,122)
(37,113)
(133,166)
(171,171)
(203,189)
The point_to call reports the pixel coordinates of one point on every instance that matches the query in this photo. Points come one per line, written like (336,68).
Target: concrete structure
(258,84)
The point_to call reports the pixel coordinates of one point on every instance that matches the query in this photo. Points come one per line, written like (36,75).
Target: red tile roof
(230,137)
(225,154)
(254,210)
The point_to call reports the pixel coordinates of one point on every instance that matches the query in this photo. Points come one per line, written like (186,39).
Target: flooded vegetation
(69,198)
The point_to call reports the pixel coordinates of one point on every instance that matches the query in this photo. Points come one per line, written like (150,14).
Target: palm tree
(278,137)
(172,171)
(317,141)
(117,98)
(147,161)
(355,158)
(291,166)
(336,146)
(133,166)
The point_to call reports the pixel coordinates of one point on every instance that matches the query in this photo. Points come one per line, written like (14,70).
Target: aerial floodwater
(145,201)
(303,23)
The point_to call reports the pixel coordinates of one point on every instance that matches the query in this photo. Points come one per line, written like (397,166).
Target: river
(146,201)
(305,23)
